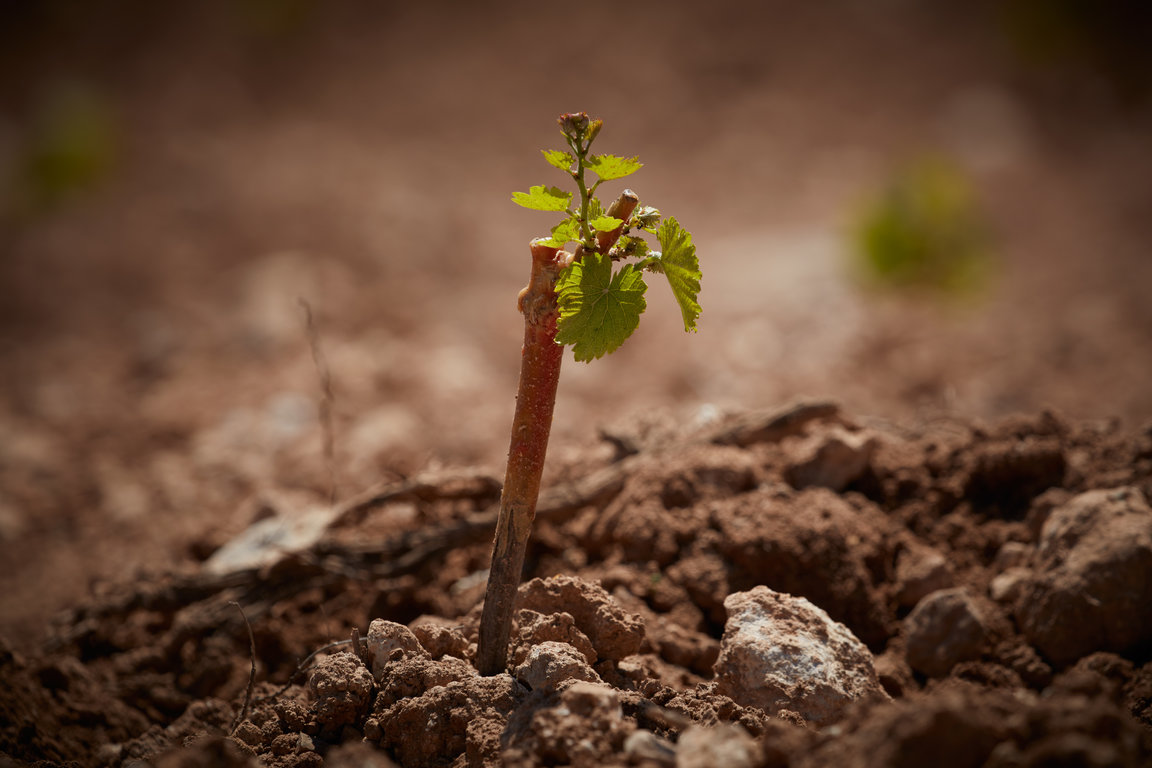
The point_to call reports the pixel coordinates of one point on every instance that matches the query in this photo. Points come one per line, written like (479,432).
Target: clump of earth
(802,587)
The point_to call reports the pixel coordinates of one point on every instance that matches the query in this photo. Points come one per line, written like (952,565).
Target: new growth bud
(574,125)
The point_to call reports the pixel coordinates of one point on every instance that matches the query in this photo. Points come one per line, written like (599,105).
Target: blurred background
(925,210)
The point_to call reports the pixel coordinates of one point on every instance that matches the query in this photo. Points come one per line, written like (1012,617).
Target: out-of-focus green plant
(922,233)
(70,147)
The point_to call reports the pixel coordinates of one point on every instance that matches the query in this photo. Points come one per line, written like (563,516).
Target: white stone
(387,640)
(723,745)
(782,652)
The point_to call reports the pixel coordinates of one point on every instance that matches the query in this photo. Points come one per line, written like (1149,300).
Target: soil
(934,546)
(239,529)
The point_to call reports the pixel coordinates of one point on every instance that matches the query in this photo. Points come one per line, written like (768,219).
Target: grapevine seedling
(590,298)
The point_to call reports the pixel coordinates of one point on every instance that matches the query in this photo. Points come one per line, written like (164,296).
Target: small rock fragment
(944,629)
(782,652)
(389,641)
(724,744)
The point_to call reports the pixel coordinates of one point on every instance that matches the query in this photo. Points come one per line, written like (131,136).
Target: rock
(832,459)
(944,629)
(724,744)
(389,641)
(782,652)
(613,632)
(920,571)
(1092,585)
(342,687)
(550,664)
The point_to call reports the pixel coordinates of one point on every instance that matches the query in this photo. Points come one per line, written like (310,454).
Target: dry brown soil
(159,394)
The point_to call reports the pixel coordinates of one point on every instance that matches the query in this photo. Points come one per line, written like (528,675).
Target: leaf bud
(574,125)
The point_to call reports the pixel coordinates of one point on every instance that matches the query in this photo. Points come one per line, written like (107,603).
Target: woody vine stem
(576,298)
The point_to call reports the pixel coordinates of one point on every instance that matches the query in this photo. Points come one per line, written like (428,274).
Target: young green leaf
(541,198)
(595,208)
(646,218)
(558,159)
(632,247)
(564,232)
(682,268)
(605,223)
(609,167)
(598,310)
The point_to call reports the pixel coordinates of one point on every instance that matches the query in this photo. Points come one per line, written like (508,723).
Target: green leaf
(564,232)
(595,209)
(633,247)
(558,159)
(682,268)
(605,223)
(541,198)
(598,309)
(609,167)
(646,218)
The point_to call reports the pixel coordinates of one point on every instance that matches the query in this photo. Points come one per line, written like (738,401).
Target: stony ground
(792,588)
(173,416)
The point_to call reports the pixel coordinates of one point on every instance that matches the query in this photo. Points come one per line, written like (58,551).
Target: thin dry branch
(243,713)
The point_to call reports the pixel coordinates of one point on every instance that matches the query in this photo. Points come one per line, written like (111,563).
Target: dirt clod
(342,687)
(1092,588)
(547,666)
(613,632)
(761,625)
(946,628)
